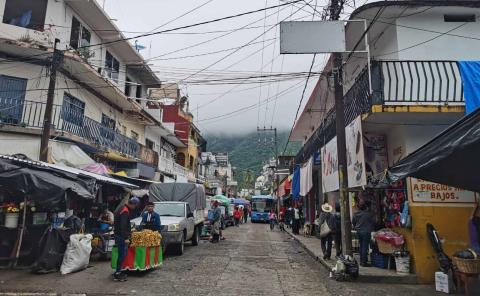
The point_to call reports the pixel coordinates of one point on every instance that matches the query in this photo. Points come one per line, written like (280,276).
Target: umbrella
(222,199)
(240,201)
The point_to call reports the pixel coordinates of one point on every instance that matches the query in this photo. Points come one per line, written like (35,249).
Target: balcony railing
(169,166)
(30,114)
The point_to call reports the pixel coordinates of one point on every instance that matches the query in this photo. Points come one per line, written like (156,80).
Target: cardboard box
(442,283)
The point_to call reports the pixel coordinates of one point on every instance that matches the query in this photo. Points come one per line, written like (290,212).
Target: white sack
(77,255)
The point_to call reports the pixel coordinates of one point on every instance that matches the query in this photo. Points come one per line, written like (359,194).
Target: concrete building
(409,92)
(217,171)
(99,86)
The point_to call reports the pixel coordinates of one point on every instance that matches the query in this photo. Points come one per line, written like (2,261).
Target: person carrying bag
(326,227)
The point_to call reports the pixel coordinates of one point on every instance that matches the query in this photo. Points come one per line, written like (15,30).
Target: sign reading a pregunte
(312,37)
(425,191)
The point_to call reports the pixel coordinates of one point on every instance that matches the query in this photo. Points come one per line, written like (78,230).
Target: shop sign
(355,156)
(425,191)
(330,166)
(376,159)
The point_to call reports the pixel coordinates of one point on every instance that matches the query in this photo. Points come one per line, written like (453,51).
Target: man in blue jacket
(150,219)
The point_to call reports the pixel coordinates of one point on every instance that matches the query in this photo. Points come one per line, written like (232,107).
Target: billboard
(355,156)
(330,166)
(312,37)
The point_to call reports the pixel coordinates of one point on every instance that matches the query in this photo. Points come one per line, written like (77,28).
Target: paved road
(252,261)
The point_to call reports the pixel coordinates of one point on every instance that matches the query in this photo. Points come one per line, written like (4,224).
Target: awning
(69,154)
(451,158)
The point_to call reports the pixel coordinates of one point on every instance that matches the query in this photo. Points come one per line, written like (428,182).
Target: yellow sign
(425,191)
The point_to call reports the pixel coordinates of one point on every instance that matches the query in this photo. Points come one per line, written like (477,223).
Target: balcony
(169,166)
(29,114)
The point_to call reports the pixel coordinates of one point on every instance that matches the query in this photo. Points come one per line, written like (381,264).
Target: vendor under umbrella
(150,219)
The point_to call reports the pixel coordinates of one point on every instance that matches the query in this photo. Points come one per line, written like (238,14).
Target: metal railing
(30,114)
(418,82)
(168,165)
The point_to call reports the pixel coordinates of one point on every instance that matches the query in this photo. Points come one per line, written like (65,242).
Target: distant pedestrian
(364,223)
(326,238)
(296,220)
(216,217)
(289,217)
(236,216)
(245,214)
(122,232)
(272,218)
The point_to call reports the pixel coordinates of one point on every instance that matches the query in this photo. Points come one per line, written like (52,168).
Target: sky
(239,47)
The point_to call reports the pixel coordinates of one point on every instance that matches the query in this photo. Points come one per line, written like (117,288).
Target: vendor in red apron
(150,219)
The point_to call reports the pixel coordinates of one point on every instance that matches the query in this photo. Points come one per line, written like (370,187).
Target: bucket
(402,264)
(11,220)
(39,218)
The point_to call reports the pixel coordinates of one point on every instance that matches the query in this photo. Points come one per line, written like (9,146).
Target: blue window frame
(73,110)
(12,96)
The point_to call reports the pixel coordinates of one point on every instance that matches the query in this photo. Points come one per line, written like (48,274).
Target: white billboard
(355,155)
(330,166)
(312,37)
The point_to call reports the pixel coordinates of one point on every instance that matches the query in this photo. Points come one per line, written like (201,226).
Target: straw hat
(327,208)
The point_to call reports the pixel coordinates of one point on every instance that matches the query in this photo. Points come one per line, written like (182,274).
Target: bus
(261,206)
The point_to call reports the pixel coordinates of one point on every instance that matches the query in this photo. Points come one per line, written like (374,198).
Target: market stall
(144,252)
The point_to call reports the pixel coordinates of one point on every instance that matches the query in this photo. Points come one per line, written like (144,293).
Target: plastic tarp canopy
(470,71)
(451,158)
(69,154)
(222,199)
(194,194)
(43,185)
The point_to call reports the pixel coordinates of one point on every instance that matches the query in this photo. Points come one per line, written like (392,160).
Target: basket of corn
(146,238)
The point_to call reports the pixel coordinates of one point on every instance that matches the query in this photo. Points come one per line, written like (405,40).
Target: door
(12,98)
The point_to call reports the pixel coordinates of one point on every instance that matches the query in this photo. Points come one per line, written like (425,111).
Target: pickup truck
(179,224)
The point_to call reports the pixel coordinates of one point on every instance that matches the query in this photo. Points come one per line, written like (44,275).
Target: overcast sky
(172,64)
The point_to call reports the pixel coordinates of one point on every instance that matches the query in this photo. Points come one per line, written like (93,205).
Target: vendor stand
(144,252)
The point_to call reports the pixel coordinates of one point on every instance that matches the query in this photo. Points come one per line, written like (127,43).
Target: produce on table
(146,238)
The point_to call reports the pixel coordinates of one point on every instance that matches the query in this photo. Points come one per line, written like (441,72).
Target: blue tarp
(470,72)
(296,183)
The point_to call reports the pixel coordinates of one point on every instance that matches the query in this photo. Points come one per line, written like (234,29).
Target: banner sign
(355,156)
(330,166)
(376,158)
(425,191)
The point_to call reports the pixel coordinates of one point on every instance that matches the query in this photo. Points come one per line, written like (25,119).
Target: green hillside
(249,151)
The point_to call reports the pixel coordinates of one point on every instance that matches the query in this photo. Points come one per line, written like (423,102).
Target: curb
(403,280)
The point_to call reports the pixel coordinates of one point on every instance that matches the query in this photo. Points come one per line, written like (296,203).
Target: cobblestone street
(252,261)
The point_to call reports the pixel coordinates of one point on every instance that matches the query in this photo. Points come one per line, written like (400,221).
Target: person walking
(245,214)
(272,218)
(337,232)
(217,214)
(296,220)
(289,217)
(236,216)
(326,238)
(364,223)
(122,232)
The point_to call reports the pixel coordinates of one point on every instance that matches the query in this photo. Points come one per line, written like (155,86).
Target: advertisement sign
(330,166)
(355,156)
(376,159)
(425,191)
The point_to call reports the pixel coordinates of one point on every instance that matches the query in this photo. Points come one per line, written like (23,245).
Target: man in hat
(326,238)
(122,232)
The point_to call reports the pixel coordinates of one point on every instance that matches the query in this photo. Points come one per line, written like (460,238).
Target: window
(459,18)
(181,159)
(191,162)
(134,135)
(108,127)
(72,109)
(112,67)
(150,144)
(128,87)
(138,93)
(12,95)
(28,14)
(79,36)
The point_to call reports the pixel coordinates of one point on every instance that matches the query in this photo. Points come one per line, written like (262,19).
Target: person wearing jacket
(150,219)
(217,215)
(326,241)
(364,223)
(122,232)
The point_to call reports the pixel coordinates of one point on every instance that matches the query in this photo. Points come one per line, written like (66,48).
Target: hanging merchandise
(296,183)
(306,181)
(405,218)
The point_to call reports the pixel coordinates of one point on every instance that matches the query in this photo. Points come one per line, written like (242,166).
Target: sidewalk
(367,274)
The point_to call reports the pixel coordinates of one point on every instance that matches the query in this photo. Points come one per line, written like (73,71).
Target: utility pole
(277,181)
(335,8)
(47,118)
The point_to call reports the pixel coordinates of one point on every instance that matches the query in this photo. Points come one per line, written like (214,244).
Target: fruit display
(146,238)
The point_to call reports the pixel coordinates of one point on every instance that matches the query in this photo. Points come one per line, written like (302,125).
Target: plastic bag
(77,255)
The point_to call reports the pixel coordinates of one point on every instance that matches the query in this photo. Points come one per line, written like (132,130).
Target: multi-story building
(177,118)
(217,171)
(99,85)
(401,87)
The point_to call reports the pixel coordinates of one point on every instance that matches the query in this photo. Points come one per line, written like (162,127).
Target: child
(272,217)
